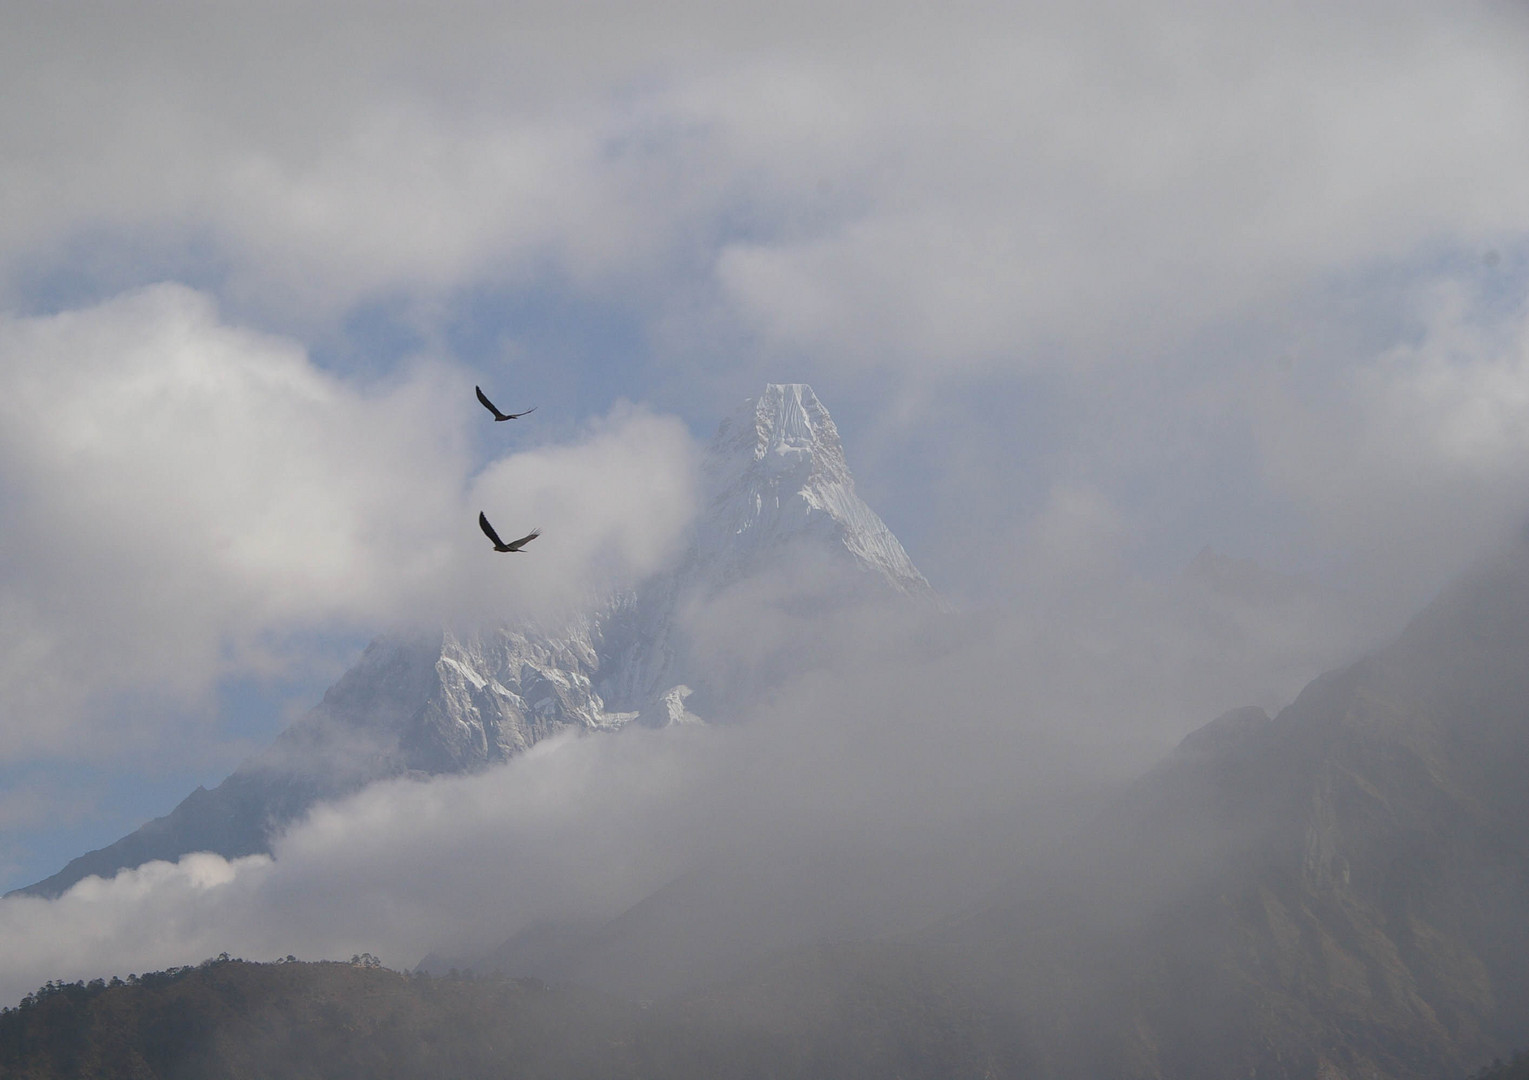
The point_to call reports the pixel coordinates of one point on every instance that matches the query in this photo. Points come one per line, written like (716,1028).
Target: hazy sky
(1087,287)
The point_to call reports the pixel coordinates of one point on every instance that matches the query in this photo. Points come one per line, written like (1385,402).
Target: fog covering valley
(1125,679)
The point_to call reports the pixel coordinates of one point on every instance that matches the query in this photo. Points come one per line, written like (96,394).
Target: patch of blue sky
(95,264)
(54,810)
(545,343)
(552,342)
(1496,268)
(254,707)
(1376,304)
(80,807)
(373,338)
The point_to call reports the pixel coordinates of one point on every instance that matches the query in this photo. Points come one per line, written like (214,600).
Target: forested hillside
(877,1016)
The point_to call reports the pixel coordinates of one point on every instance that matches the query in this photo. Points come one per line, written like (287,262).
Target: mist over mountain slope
(1339,890)
(781,518)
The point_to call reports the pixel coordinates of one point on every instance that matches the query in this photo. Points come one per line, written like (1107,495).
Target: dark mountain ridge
(1341,890)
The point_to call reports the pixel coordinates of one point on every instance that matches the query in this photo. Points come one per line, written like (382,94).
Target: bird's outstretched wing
(489,405)
(488,530)
(516,545)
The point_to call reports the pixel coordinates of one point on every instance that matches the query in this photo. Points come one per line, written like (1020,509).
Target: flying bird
(489,405)
(500,545)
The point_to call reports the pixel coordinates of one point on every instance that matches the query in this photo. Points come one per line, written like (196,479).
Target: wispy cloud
(180,493)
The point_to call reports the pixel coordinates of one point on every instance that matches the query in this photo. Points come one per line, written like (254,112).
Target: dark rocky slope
(1339,891)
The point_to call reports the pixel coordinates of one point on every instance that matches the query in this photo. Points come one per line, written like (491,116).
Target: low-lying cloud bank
(181,495)
(923,757)
(388,871)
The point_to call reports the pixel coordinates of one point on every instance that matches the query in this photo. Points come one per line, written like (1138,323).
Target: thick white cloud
(180,495)
(880,185)
(1112,178)
(1410,461)
(392,871)
(321,154)
(940,194)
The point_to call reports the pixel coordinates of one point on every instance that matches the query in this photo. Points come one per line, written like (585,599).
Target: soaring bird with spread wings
(500,545)
(490,406)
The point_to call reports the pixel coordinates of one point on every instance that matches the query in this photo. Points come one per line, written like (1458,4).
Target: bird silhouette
(489,405)
(500,545)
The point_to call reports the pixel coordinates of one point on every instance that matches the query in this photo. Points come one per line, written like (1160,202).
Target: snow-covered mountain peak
(785,431)
(776,475)
(781,500)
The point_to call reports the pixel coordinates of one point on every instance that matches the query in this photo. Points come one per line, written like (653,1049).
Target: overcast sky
(1087,287)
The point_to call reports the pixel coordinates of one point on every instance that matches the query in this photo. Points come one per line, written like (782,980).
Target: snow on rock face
(776,474)
(438,703)
(776,477)
(669,709)
(498,694)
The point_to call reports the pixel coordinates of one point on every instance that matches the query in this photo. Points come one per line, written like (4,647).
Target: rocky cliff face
(780,498)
